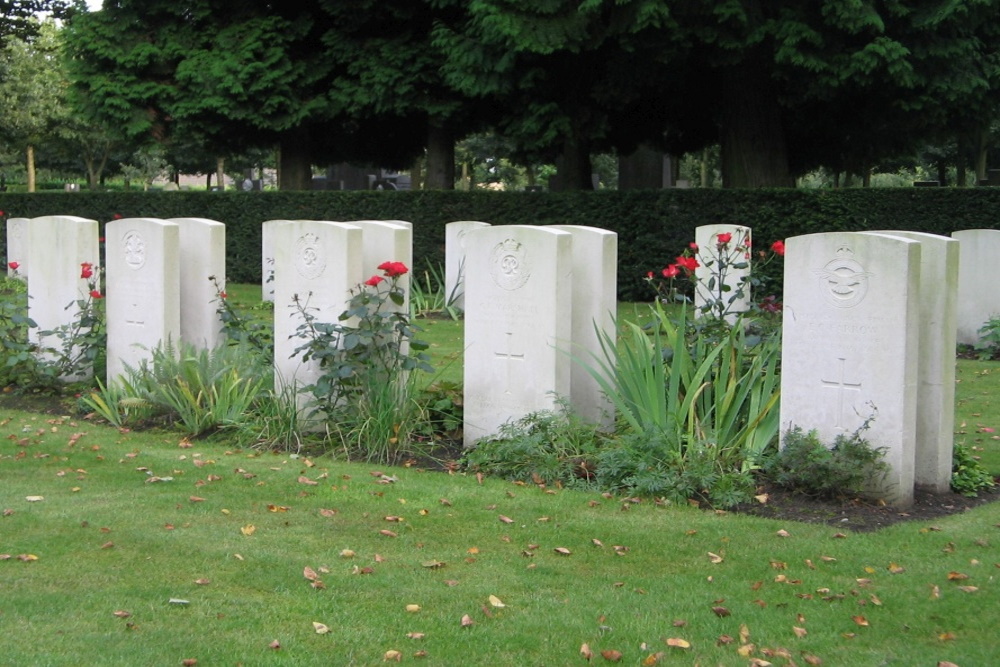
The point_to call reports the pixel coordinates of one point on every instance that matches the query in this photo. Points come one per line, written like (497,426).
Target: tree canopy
(783,86)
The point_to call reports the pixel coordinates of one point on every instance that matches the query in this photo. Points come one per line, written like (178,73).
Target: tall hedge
(653,226)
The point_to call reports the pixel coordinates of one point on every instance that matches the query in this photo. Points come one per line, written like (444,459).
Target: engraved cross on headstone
(841,386)
(509,356)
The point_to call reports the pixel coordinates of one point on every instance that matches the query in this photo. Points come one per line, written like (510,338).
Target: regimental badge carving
(509,266)
(844,280)
(310,260)
(135,249)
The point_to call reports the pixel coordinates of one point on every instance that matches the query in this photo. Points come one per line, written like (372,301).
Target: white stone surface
(936,388)
(57,246)
(850,338)
(202,254)
(978,274)
(17,246)
(143,300)
(454,259)
(712,286)
(316,262)
(267,258)
(518,310)
(595,302)
(386,241)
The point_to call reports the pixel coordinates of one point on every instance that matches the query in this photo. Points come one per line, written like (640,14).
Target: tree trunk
(440,172)
(754,152)
(220,172)
(980,155)
(573,169)
(31,167)
(295,161)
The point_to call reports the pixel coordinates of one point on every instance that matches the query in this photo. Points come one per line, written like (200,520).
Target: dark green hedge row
(653,226)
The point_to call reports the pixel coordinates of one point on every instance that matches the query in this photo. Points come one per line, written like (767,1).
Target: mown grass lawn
(141,548)
(95,563)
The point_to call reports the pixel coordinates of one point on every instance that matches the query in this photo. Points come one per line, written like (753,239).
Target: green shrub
(968,476)
(847,468)
(542,447)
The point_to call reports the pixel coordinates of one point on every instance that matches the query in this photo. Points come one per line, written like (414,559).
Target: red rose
(374,280)
(689,264)
(86,270)
(693,246)
(671,271)
(96,294)
(778,248)
(223,295)
(725,238)
(13,265)
(393,269)
(649,274)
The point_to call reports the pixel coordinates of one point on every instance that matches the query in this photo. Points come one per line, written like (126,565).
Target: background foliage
(653,226)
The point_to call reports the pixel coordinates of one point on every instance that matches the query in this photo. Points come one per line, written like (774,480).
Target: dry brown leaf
(467,621)
(388,533)
(308,482)
(248,529)
(947,636)
(121,613)
(203,582)
(652,659)
(715,558)
(275,645)
(495,601)
(415,635)
(320,628)
(677,642)
(392,656)
(347,553)
(957,576)
(721,612)
(860,620)
(783,533)
(562,551)
(799,631)
(505,519)
(968,589)
(309,573)
(611,655)
(433,564)
(586,652)
(327,513)
(196,499)
(811,659)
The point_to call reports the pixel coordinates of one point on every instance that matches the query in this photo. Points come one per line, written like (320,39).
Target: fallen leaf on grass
(947,636)
(495,601)
(677,642)
(860,620)
(467,621)
(308,482)
(415,635)
(968,589)
(811,659)
(388,533)
(721,612)
(586,652)
(412,608)
(346,553)
(189,662)
(309,573)
(783,533)
(34,499)
(957,576)
(799,632)
(392,656)
(505,519)
(274,645)
(562,551)
(121,613)
(433,564)
(248,529)
(108,545)
(896,569)
(203,582)
(327,513)
(715,558)
(611,655)
(652,659)
(320,628)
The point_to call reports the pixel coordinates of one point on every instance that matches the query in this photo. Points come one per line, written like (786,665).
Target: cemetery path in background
(854,515)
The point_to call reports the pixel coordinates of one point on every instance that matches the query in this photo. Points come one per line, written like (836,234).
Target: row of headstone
(535,297)
(316,264)
(152,268)
(978,273)
(868,335)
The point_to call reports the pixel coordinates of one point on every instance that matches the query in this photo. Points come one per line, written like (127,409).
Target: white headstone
(936,387)
(143,300)
(202,255)
(57,247)
(724,265)
(595,301)
(386,241)
(850,344)
(454,260)
(518,312)
(316,262)
(17,246)
(267,258)
(978,272)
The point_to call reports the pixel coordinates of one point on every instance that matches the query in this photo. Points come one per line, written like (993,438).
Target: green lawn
(127,548)
(232,532)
